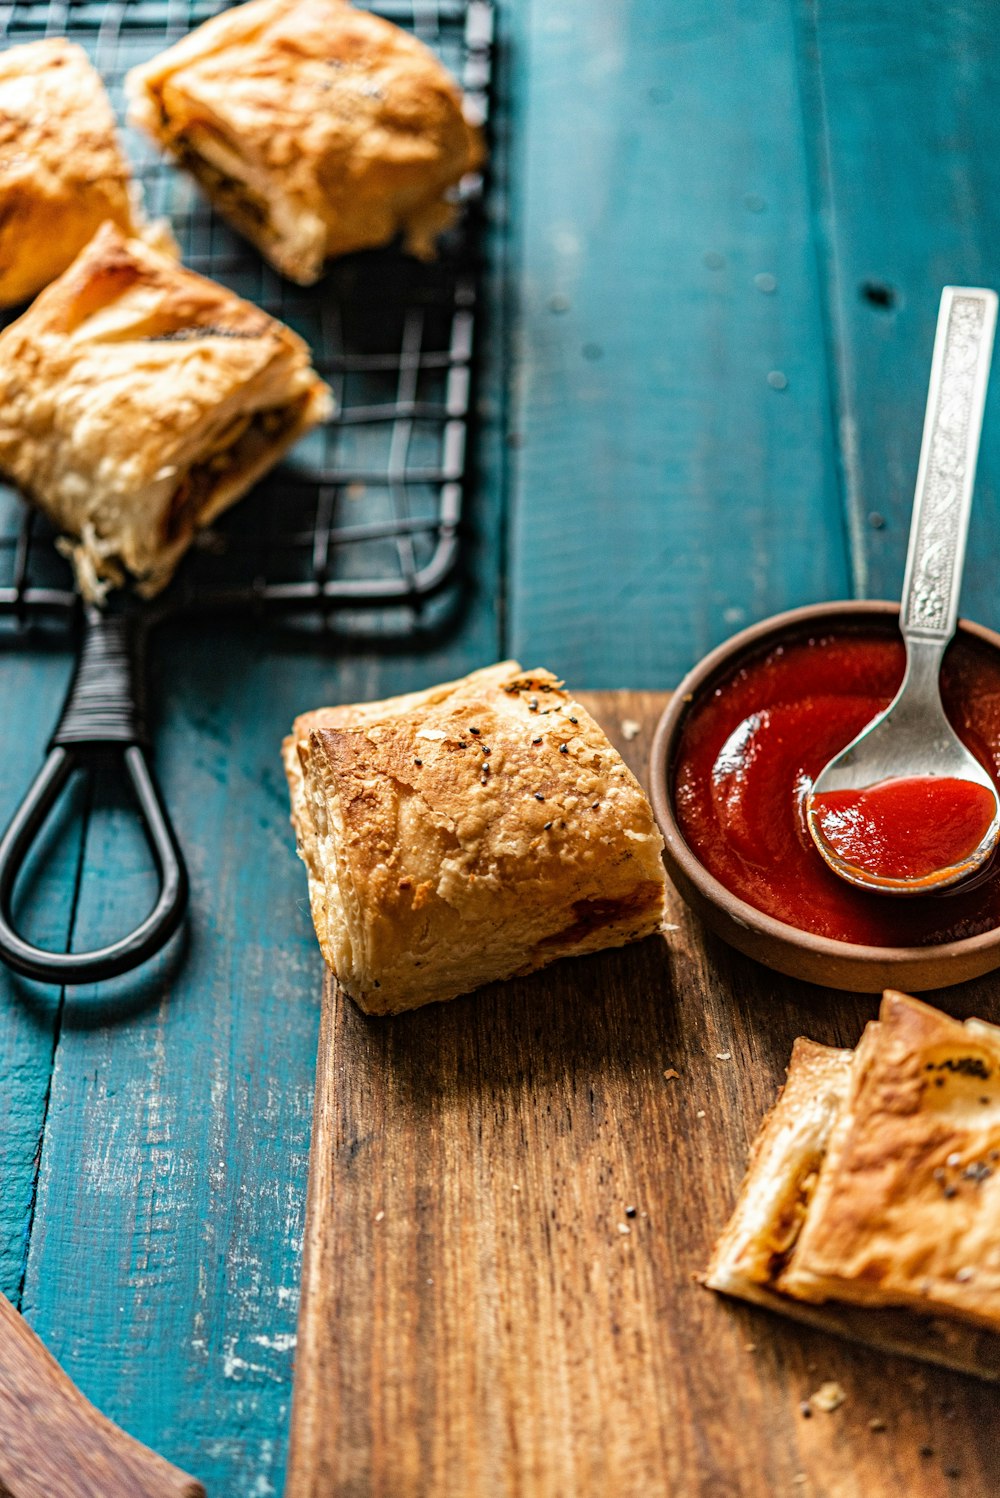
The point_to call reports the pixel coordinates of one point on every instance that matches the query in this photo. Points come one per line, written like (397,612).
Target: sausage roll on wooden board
(315,128)
(62,170)
(138,400)
(872,1203)
(471,832)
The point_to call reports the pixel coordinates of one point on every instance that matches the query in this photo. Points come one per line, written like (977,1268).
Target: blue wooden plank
(173,1178)
(676,473)
(33,679)
(906,147)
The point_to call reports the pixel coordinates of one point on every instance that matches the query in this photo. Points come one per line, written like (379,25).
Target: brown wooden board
(482,1318)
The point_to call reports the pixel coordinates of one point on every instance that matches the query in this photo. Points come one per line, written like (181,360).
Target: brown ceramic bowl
(818,959)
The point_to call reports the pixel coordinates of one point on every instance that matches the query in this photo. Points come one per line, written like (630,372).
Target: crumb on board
(723,1055)
(630,729)
(670,1074)
(624,1228)
(828,1397)
(877,1423)
(379,1216)
(700,1113)
(515,1186)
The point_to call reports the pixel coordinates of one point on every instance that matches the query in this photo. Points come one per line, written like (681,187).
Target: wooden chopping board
(482,1314)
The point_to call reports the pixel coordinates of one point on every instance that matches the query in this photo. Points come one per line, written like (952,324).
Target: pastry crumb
(723,1055)
(876,1424)
(630,729)
(670,1075)
(624,1228)
(379,1216)
(828,1397)
(700,1113)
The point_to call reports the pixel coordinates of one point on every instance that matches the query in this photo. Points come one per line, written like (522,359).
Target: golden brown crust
(62,170)
(475,831)
(316,128)
(891,1155)
(138,400)
(907,1209)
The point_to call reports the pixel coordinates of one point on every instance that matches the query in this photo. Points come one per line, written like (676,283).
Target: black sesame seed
(418,761)
(595,805)
(950,1191)
(572,720)
(539,796)
(473,730)
(563,748)
(487,749)
(536,741)
(547,826)
(533,705)
(629,1211)
(805,1410)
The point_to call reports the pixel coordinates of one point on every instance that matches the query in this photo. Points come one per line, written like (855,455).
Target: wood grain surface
(510,1198)
(53,1441)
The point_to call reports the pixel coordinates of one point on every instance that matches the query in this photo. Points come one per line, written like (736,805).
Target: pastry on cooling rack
(138,400)
(872,1202)
(62,171)
(474,831)
(315,128)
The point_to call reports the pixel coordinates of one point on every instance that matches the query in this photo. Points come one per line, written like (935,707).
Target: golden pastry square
(138,400)
(315,128)
(467,833)
(62,170)
(872,1201)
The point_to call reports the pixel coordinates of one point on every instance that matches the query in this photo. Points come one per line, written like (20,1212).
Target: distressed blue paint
(665,493)
(906,155)
(32,683)
(165,1262)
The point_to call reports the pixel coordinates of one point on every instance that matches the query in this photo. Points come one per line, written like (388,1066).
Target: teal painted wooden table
(718,234)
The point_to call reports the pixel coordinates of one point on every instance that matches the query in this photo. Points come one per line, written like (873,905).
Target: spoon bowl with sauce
(905,808)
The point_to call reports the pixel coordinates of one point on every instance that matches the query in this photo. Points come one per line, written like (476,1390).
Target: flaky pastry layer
(315,128)
(138,400)
(62,169)
(872,1201)
(474,831)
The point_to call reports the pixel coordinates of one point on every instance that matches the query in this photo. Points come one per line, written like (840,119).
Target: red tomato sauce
(751,747)
(905,828)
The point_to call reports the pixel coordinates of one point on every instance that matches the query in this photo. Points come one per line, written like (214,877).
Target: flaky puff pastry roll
(315,128)
(62,170)
(474,831)
(872,1203)
(138,400)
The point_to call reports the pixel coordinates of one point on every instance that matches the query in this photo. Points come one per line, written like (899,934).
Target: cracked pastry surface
(474,831)
(139,400)
(62,169)
(315,128)
(872,1201)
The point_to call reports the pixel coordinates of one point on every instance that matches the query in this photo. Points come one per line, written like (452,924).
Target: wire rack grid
(367,513)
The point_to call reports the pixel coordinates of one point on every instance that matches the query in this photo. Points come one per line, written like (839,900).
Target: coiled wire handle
(101,713)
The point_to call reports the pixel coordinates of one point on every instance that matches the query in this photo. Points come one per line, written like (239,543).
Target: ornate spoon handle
(963,348)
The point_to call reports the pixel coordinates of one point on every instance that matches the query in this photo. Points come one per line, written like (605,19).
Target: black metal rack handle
(102,713)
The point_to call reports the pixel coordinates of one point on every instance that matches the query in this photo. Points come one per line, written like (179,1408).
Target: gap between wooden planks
(482,1318)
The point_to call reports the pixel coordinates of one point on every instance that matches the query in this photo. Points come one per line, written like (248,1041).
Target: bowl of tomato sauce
(733,758)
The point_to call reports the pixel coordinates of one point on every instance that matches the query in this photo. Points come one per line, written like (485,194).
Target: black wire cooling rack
(367,511)
(366,514)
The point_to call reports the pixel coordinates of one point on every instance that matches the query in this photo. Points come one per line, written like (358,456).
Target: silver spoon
(912,738)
